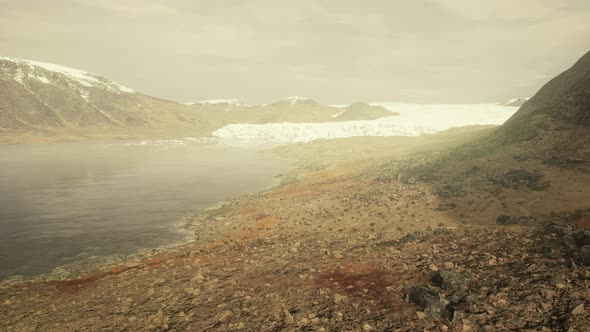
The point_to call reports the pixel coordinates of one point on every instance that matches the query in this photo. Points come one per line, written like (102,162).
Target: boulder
(451,281)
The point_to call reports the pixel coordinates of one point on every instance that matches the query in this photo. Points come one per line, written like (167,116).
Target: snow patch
(337,114)
(41,79)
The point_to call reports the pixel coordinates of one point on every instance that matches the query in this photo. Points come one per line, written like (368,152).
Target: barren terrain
(342,245)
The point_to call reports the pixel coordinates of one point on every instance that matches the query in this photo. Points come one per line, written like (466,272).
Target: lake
(65,203)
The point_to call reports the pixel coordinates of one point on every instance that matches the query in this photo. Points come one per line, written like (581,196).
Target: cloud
(336,51)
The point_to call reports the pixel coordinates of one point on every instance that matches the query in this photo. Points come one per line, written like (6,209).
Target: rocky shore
(340,245)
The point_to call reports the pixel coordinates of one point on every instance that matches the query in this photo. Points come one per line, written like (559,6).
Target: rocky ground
(339,246)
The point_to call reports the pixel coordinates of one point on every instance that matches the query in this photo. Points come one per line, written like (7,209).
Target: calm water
(71,202)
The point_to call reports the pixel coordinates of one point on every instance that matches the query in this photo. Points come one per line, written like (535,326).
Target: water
(73,202)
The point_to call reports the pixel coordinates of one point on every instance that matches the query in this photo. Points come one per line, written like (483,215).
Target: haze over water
(72,202)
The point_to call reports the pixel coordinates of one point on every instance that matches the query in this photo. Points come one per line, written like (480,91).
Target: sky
(334,51)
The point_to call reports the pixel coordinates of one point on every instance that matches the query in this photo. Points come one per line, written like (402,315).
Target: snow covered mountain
(228,103)
(414,120)
(41,94)
(24,70)
(37,97)
(48,99)
(515,102)
(295,101)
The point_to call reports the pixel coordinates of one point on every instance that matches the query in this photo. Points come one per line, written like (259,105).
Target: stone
(511,220)
(420,314)
(288,318)
(584,255)
(579,310)
(582,238)
(338,299)
(427,298)
(224,316)
(549,252)
(467,328)
(448,265)
(452,281)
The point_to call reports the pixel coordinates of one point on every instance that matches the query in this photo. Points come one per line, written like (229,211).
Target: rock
(452,281)
(579,310)
(582,238)
(367,327)
(427,298)
(517,177)
(558,229)
(510,220)
(457,316)
(448,265)
(420,314)
(549,252)
(583,255)
(224,316)
(338,299)
(288,318)
(432,268)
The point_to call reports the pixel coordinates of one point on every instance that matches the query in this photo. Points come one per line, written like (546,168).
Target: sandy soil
(340,245)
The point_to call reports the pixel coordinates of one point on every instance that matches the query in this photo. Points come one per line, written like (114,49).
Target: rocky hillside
(51,95)
(537,163)
(559,111)
(48,100)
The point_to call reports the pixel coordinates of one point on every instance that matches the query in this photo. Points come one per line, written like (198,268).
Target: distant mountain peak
(228,102)
(295,100)
(515,102)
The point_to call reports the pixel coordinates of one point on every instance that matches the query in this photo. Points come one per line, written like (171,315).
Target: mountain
(290,110)
(557,115)
(360,111)
(536,163)
(294,101)
(226,104)
(51,100)
(63,96)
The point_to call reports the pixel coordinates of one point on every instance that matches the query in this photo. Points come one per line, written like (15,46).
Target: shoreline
(340,244)
(301,165)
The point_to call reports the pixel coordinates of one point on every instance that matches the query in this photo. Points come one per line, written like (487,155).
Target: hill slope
(562,105)
(537,163)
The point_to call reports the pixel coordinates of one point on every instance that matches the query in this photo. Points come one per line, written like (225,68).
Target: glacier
(414,120)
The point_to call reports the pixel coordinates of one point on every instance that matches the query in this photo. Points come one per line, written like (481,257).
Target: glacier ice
(414,120)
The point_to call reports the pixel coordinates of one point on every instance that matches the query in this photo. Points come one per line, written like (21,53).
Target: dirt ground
(343,245)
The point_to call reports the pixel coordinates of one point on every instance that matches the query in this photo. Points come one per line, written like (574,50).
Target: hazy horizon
(333,51)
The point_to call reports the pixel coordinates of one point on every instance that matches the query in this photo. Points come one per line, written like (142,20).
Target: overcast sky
(335,51)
